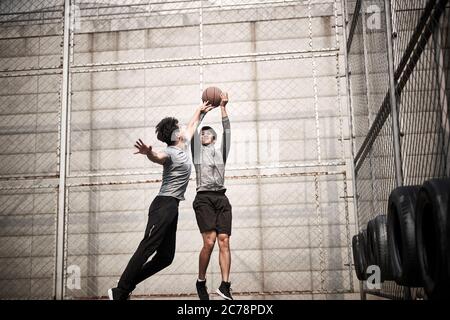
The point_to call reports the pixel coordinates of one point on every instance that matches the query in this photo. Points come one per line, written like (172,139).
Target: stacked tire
(378,246)
(370,248)
(402,236)
(359,246)
(411,245)
(433,237)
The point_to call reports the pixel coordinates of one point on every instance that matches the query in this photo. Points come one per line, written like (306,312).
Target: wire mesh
(358,82)
(282,241)
(27,246)
(420,59)
(30,35)
(424,111)
(30,58)
(375,43)
(132,63)
(376,177)
(29,125)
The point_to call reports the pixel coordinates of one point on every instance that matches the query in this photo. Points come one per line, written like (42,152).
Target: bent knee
(167,259)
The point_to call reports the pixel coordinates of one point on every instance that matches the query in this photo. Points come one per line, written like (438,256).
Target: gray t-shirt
(209,162)
(176,172)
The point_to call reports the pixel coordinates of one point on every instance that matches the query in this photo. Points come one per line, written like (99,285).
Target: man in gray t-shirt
(213,210)
(160,233)
(176,172)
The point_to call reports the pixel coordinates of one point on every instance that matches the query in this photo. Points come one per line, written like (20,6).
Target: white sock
(200,280)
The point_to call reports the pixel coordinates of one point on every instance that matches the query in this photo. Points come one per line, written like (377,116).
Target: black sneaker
(117,294)
(224,290)
(202,290)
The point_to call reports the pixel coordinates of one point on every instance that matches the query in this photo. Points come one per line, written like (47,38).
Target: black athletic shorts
(213,211)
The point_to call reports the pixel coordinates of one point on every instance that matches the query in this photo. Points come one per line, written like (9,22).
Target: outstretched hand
(206,107)
(142,147)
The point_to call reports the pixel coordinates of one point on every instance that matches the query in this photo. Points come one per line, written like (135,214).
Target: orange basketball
(212,94)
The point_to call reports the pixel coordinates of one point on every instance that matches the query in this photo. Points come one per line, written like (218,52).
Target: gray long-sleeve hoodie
(209,162)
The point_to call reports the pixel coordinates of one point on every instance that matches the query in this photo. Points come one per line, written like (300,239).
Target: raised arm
(156,157)
(195,147)
(196,118)
(226,136)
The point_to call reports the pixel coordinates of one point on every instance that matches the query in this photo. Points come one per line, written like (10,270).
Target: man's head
(168,131)
(208,135)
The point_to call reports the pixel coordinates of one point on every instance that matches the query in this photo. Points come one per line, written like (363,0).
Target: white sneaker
(114,295)
(110,294)
(224,290)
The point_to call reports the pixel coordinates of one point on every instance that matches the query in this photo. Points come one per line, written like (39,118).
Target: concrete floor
(213,296)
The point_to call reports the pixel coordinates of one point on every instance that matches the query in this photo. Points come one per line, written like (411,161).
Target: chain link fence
(27,247)
(82,80)
(278,248)
(31,34)
(420,42)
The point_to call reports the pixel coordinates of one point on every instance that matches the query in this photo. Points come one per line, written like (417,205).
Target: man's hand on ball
(206,107)
(223,99)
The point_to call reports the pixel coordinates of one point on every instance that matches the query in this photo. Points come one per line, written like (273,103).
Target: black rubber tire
(432,238)
(359,256)
(402,237)
(377,234)
(448,237)
(371,243)
(364,248)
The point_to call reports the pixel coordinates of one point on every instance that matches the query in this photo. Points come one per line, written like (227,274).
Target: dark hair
(165,128)
(208,128)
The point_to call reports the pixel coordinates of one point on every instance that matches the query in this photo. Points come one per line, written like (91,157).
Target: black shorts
(213,211)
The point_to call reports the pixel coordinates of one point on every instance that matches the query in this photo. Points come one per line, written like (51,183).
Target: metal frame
(444,100)
(315,175)
(148,13)
(353,24)
(399,77)
(393,96)
(63,159)
(201,57)
(352,129)
(64,177)
(402,74)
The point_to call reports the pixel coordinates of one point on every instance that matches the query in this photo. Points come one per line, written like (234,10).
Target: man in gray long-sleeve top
(211,205)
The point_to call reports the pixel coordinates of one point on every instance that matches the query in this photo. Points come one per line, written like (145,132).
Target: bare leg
(224,256)
(209,239)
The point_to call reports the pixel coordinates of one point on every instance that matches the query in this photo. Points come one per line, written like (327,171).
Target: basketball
(212,94)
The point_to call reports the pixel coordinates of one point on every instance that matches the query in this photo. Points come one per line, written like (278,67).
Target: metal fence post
(393,97)
(352,129)
(63,159)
